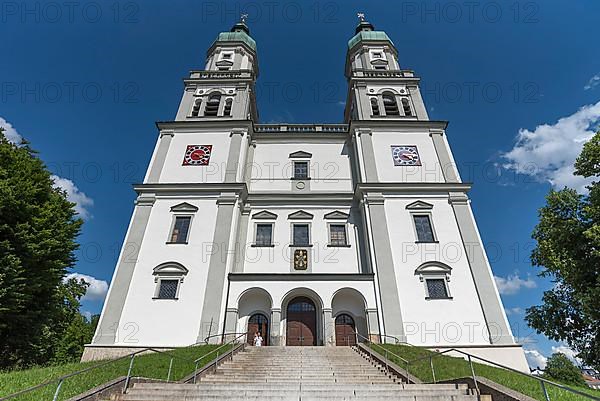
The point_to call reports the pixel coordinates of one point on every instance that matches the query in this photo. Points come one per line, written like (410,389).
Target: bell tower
(224,90)
(378,88)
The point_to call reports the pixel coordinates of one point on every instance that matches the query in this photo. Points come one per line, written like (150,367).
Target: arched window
(390,105)
(435,276)
(227,110)
(212,106)
(375,106)
(196,108)
(406,107)
(168,278)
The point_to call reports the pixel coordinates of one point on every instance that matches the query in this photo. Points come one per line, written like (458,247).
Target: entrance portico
(313,312)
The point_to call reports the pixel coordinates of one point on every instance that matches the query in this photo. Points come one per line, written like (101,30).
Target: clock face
(405,156)
(197,155)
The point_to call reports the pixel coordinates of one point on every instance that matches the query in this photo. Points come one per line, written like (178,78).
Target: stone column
(491,305)
(443,153)
(161,155)
(275,326)
(329,323)
(373,325)
(106,333)
(231,320)
(233,158)
(217,267)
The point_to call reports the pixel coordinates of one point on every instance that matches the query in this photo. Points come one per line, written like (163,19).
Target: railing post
(432,370)
(196,371)
(407,372)
(128,373)
(387,371)
(60,382)
(473,374)
(216,360)
(356,338)
(544,390)
(170,367)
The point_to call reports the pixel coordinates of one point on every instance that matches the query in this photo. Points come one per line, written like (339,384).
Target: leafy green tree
(568,251)
(561,369)
(38,227)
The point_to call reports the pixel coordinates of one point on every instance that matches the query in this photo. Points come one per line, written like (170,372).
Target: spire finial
(361,16)
(243,18)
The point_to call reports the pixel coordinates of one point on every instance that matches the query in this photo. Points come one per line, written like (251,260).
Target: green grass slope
(447,368)
(155,366)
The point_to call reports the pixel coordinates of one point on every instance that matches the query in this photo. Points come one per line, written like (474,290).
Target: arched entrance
(258,322)
(344,330)
(301,322)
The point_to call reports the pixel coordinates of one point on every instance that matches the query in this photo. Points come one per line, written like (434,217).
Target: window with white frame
(300,234)
(436,277)
(168,278)
(423,228)
(181,228)
(300,170)
(337,235)
(264,234)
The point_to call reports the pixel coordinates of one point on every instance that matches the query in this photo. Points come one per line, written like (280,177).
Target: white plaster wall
(429,171)
(329,166)
(175,172)
(167,322)
(277,259)
(456,321)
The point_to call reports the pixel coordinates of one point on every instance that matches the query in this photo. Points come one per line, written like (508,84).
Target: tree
(38,227)
(561,369)
(568,251)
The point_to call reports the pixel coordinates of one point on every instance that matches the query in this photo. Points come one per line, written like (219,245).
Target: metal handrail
(132,355)
(470,358)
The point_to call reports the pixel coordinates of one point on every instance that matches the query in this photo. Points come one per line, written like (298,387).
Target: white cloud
(513,283)
(81,200)
(568,352)
(514,311)
(97,288)
(535,359)
(11,133)
(549,152)
(592,83)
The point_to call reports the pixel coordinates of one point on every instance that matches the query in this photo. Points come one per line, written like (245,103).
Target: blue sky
(518,81)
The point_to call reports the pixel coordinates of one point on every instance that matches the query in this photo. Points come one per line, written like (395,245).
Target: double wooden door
(301,322)
(258,323)
(344,330)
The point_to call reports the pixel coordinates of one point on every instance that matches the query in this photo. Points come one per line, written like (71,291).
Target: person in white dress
(258,340)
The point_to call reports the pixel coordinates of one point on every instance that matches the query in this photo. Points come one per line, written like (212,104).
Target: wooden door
(301,322)
(344,330)
(258,322)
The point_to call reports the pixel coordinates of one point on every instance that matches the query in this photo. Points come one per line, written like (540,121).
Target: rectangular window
(337,235)
(301,237)
(436,288)
(180,229)
(300,170)
(377,55)
(168,289)
(424,229)
(264,234)
(226,56)
(380,67)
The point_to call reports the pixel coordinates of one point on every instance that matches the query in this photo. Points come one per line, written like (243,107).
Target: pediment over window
(433,269)
(184,207)
(264,215)
(379,61)
(337,215)
(300,215)
(223,63)
(170,269)
(300,155)
(419,205)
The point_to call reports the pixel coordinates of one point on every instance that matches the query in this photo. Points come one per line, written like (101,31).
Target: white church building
(304,232)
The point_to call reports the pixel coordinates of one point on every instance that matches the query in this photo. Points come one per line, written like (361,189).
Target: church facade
(307,233)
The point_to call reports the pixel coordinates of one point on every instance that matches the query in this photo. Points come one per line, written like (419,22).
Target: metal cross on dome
(243,17)
(361,16)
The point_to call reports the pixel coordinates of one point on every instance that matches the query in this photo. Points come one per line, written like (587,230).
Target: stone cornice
(291,198)
(396,124)
(301,276)
(239,189)
(195,124)
(412,187)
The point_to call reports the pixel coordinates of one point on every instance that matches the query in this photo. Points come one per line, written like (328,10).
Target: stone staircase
(298,374)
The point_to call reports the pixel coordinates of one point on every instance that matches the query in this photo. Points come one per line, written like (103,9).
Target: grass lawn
(155,366)
(447,367)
